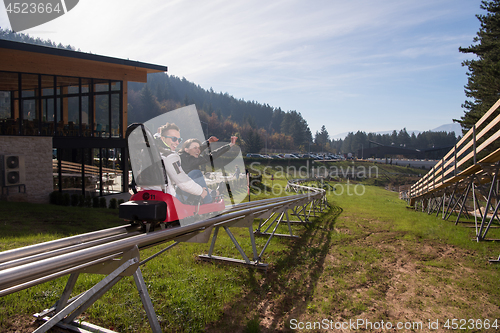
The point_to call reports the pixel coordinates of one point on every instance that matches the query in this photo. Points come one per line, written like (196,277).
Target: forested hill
(422,141)
(257,125)
(7,34)
(167,87)
(260,125)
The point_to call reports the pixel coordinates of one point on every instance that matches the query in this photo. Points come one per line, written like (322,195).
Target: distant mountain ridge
(449,128)
(443,128)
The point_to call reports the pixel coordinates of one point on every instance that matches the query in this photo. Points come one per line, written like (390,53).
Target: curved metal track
(91,252)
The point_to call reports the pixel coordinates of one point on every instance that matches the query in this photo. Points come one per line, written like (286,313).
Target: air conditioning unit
(13,170)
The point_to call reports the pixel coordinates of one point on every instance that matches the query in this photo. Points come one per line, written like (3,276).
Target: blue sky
(369,65)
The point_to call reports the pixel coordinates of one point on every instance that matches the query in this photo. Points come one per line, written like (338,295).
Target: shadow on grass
(20,219)
(287,288)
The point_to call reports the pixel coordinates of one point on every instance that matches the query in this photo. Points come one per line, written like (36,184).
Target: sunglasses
(173,138)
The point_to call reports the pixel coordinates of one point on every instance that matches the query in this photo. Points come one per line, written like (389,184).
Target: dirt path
(349,271)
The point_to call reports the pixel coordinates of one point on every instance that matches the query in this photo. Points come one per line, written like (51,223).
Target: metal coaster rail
(465,181)
(115,252)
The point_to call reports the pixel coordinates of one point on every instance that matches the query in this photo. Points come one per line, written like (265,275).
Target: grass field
(368,258)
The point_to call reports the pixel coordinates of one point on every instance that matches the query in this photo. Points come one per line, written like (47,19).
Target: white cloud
(316,57)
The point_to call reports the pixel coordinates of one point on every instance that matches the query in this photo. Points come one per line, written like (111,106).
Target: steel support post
(276,216)
(246,222)
(91,300)
(295,213)
(270,237)
(146,301)
(288,223)
(238,246)
(303,212)
(477,191)
(491,195)
(254,245)
(475,203)
(311,208)
(278,220)
(84,297)
(436,203)
(431,204)
(495,261)
(441,204)
(63,301)
(462,200)
(451,200)
(495,212)
(65,312)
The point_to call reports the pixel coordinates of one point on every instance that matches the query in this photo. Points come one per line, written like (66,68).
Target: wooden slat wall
(71,167)
(440,176)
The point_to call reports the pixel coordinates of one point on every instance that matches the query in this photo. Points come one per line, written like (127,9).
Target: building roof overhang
(30,58)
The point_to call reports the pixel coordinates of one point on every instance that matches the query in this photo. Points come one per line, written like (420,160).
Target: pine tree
(149,104)
(253,143)
(322,138)
(483,87)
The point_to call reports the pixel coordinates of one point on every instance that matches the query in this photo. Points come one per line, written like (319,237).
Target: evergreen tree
(149,104)
(293,124)
(346,144)
(322,138)
(403,138)
(253,143)
(483,86)
(394,138)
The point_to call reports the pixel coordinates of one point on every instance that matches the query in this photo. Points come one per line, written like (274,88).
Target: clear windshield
(219,167)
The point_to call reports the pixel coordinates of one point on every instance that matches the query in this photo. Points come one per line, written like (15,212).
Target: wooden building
(63,117)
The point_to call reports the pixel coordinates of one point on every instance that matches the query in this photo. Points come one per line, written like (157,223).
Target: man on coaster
(169,139)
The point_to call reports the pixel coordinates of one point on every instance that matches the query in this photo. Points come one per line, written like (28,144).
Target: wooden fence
(465,180)
(71,167)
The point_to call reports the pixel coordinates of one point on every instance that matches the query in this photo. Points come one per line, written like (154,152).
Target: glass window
(9,81)
(101,86)
(85,85)
(115,115)
(5,102)
(59,114)
(8,115)
(116,86)
(102,115)
(29,85)
(7,122)
(47,85)
(70,84)
(59,105)
(85,124)
(48,116)
(112,174)
(94,170)
(71,170)
(73,116)
(73,90)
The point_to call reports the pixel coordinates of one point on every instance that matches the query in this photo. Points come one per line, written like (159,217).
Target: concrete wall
(38,162)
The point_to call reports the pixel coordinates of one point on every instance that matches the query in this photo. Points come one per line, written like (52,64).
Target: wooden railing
(450,169)
(71,167)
